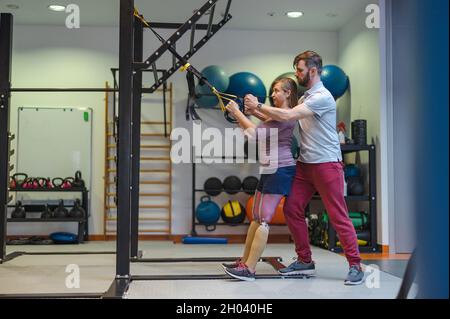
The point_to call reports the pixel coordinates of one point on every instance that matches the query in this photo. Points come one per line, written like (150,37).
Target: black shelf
(240,224)
(49,190)
(346,148)
(83,224)
(40,220)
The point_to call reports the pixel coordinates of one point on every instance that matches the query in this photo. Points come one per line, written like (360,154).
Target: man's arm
(260,116)
(296,113)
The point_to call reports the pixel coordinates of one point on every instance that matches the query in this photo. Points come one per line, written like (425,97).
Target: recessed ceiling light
(56,7)
(12,6)
(294,14)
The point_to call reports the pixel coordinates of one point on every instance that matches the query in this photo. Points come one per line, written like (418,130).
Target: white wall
(58,57)
(359,57)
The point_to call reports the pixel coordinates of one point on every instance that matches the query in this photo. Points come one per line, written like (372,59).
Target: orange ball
(278,218)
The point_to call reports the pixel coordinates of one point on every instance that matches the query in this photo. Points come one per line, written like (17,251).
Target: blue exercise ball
(243,83)
(217,77)
(205,99)
(335,80)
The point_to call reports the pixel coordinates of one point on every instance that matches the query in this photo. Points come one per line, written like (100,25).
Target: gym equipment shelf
(83,224)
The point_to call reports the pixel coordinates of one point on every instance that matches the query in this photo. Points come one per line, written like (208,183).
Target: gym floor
(40,274)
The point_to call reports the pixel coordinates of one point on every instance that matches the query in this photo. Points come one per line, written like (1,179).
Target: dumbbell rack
(83,225)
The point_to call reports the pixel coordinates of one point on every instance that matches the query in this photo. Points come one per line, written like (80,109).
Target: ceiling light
(12,6)
(57,7)
(294,14)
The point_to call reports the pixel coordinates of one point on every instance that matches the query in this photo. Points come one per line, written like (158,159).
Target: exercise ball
(213,186)
(243,83)
(232,184)
(207,212)
(203,100)
(300,89)
(278,217)
(335,80)
(233,212)
(217,77)
(249,184)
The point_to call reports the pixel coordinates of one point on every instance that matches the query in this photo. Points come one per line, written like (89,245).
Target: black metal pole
(193,231)
(6,30)
(124,140)
(136,137)
(373,197)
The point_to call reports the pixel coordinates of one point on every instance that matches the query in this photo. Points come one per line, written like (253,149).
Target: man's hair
(311,58)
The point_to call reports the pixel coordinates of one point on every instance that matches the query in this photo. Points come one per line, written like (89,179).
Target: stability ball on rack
(243,83)
(218,78)
(335,80)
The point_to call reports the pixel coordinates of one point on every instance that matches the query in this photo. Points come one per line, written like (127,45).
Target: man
(319,167)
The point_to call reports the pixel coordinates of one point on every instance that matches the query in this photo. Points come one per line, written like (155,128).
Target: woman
(277,173)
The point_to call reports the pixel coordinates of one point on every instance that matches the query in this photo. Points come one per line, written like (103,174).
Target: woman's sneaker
(241,272)
(298,268)
(355,276)
(231,265)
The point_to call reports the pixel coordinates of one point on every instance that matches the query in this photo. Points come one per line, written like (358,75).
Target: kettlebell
(78,181)
(60,211)
(47,213)
(77,211)
(67,183)
(19,211)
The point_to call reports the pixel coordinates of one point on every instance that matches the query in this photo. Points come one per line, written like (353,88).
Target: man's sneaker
(298,268)
(241,272)
(355,276)
(231,265)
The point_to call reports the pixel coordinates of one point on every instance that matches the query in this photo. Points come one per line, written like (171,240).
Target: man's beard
(305,80)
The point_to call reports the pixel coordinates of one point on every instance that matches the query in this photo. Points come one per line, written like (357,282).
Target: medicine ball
(233,212)
(232,184)
(249,184)
(213,186)
(355,186)
(207,213)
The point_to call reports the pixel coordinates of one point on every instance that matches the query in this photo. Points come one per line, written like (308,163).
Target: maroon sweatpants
(328,180)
